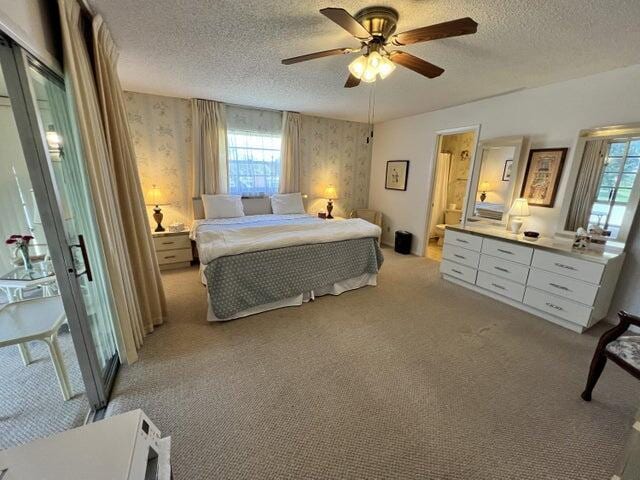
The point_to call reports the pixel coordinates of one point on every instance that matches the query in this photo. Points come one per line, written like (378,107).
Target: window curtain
(139,242)
(290,153)
(209,134)
(440,183)
(80,82)
(586,185)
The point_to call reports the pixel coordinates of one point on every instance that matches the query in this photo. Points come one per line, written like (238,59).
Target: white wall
(550,116)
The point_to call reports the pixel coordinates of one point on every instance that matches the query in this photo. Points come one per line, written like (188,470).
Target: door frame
(432,172)
(15,60)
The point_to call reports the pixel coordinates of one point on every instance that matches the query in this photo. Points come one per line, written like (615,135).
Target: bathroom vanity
(545,277)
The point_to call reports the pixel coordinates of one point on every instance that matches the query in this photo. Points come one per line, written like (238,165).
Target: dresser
(173,249)
(544,277)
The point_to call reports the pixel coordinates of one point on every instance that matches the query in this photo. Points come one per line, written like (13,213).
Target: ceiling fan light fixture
(369,75)
(374,61)
(386,67)
(358,66)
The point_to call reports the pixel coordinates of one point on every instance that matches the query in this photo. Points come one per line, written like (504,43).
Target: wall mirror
(606,184)
(494,177)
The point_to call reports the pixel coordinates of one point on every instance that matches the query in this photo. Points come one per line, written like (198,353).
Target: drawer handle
(498,286)
(170,256)
(168,243)
(567,267)
(555,306)
(461,240)
(457,271)
(502,269)
(459,256)
(501,250)
(560,287)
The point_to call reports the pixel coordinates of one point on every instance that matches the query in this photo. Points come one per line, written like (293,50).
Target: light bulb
(374,60)
(369,75)
(358,66)
(386,67)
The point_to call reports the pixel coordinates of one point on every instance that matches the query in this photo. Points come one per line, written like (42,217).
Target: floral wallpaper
(459,146)
(333,152)
(161,133)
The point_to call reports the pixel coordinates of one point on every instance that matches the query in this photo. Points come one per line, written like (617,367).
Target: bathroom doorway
(455,150)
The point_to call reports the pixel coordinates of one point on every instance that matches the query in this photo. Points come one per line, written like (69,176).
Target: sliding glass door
(63,194)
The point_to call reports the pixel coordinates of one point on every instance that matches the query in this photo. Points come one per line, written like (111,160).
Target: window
(253,151)
(618,178)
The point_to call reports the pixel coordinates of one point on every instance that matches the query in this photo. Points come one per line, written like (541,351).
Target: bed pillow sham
(287,203)
(222,206)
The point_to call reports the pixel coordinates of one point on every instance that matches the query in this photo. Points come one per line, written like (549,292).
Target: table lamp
(330,194)
(155,199)
(484,188)
(519,209)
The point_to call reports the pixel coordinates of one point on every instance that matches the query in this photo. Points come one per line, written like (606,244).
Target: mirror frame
(612,131)
(519,143)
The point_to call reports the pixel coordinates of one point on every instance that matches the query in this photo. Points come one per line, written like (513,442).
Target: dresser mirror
(493,181)
(606,184)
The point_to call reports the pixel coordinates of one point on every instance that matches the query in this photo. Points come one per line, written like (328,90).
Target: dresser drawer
(563,286)
(461,272)
(507,251)
(515,272)
(498,285)
(560,307)
(171,242)
(565,265)
(461,255)
(174,256)
(472,242)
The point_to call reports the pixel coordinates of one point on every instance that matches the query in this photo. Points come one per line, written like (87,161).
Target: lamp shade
(155,197)
(330,192)
(485,186)
(520,208)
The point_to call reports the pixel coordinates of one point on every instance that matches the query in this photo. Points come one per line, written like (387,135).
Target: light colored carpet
(416,378)
(31,405)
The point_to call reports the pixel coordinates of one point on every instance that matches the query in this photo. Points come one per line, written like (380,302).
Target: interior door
(62,190)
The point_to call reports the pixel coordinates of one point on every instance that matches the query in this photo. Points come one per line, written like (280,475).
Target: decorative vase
(23,250)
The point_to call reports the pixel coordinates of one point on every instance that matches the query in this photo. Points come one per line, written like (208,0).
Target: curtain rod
(257,108)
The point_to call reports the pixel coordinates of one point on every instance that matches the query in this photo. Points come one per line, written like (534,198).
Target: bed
(262,261)
(493,211)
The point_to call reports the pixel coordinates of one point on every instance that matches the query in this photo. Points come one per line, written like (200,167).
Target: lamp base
(329,209)
(516,225)
(483,196)
(157,216)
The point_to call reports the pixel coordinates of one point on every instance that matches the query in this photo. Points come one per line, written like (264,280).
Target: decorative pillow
(287,203)
(222,206)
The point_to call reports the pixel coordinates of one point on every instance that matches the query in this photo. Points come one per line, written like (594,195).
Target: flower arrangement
(21,242)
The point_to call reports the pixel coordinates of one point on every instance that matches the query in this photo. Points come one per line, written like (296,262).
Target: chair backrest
(371,216)
(250,205)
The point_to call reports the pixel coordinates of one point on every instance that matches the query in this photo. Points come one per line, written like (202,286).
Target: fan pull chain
(372,111)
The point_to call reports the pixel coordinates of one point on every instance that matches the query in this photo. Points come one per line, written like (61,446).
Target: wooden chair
(371,216)
(625,351)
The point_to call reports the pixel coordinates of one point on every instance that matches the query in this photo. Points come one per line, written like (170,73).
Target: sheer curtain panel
(586,185)
(290,153)
(209,133)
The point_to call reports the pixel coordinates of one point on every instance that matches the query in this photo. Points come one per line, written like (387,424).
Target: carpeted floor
(31,405)
(416,378)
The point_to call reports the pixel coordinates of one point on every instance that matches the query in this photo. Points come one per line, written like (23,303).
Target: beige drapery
(209,134)
(290,153)
(586,185)
(439,203)
(143,261)
(80,81)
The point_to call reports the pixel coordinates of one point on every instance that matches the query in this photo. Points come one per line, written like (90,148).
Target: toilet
(451,217)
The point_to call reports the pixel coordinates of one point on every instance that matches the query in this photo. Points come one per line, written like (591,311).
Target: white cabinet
(558,285)
(173,249)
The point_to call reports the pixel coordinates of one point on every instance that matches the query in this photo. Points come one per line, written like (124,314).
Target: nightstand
(173,249)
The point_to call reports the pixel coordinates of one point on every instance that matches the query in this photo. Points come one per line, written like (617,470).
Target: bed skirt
(366,279)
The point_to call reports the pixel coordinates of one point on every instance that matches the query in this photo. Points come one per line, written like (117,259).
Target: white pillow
(287,203)
(222,206)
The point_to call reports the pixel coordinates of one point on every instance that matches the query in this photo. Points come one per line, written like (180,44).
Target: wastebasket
(403,242)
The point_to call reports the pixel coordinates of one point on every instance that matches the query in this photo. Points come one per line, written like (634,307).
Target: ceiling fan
(374,28)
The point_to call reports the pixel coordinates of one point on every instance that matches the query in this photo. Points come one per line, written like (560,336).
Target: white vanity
(543,277)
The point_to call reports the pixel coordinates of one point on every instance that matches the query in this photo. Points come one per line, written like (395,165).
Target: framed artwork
(544,169)
(506,172)
(397,172)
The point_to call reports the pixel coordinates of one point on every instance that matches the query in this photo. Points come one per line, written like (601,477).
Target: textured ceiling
(230,50)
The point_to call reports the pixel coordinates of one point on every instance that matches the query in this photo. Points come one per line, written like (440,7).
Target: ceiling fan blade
(416,64)
(346,21)
(352,82)
(312,56)
(454,28)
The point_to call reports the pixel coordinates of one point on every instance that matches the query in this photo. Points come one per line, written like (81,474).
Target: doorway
(54,289)
(455,150)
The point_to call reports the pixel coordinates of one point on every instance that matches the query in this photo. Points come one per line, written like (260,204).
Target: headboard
(251,206)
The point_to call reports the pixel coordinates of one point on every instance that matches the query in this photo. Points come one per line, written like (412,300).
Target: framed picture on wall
(506,172)
(541,179)
(397,172)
